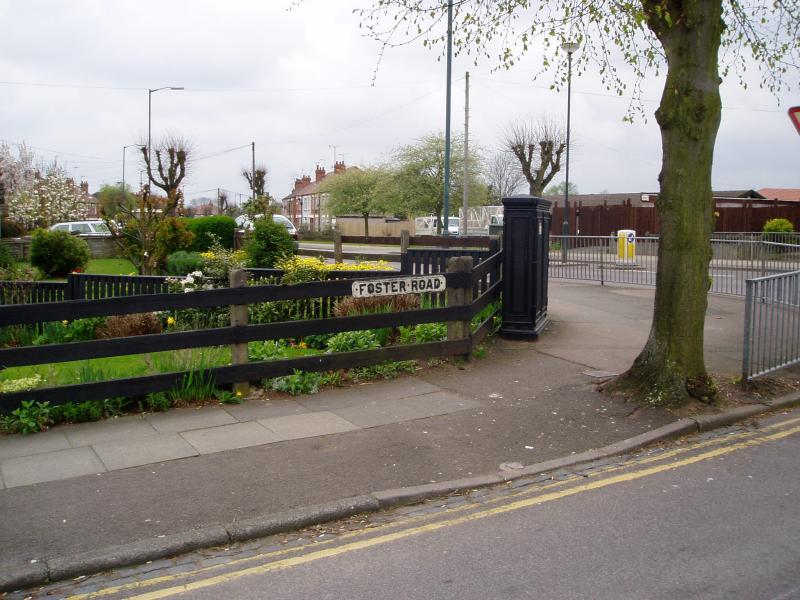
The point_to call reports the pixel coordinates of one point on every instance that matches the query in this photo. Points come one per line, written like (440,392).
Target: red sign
(794,115)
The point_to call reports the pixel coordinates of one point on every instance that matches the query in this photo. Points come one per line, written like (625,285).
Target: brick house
(306,205)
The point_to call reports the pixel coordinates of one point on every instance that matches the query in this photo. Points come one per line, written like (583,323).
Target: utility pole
(253,146)
(465,203)
(447,116)
(334,146)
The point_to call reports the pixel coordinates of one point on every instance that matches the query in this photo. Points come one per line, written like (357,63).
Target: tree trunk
(671,368)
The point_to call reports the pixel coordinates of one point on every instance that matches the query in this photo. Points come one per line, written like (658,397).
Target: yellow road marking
(431,527)
(345,536)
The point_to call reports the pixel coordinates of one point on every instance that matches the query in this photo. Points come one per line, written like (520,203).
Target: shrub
(299,382)
(183,263)
(11,229)
(6,260)
(269,243)
(778,226)
(221,227)
(350,341)
(218,261)
(28,418)
(352,306)
(424,332)
(268,350)
(171,236)
(129,325)
(57,253)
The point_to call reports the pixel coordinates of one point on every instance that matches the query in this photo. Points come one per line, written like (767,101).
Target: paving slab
(253,410)
(133,453)
(405,387)
(229,437)
(50,466)
(405,409)
(25,445)
(186,419)
(335,398)
(109,430)
(309,425)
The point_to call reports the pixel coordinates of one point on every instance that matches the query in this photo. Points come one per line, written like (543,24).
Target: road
(714,516)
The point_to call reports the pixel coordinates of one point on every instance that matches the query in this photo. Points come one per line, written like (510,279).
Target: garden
(195,270)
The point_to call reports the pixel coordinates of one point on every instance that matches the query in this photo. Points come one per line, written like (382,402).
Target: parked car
(244,222)
(95,227)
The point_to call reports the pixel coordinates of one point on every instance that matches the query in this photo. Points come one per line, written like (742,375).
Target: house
(781,194)
(306,205)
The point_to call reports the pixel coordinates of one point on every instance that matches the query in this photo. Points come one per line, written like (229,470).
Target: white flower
(196,274)
(189,280)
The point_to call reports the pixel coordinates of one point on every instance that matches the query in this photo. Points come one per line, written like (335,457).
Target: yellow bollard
(626,247)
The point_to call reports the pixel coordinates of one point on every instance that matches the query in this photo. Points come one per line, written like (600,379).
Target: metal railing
(735,259)
(771,324)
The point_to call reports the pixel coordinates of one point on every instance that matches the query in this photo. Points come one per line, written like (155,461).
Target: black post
(526,232)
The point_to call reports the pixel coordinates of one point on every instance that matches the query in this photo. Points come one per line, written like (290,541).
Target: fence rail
(771,324)
(487,281)
(735,259)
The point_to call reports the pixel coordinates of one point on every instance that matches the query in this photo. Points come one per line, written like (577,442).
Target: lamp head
(570,47)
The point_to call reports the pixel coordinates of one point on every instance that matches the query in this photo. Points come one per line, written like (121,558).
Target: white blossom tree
(52,197)
(17,171)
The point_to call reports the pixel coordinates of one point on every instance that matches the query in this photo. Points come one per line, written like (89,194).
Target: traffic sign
(794,115)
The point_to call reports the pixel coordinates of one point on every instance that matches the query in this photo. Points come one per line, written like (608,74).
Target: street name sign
(399,285)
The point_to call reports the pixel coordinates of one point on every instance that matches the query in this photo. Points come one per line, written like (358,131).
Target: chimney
(338,167)
(319,174)
(301,183)
(85,187)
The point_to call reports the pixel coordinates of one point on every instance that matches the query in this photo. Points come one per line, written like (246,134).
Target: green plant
(269,243)
(28,418)
(6,260)
(158,402)
(268,350)
(228,397)
(778,226)
(320,341)
(195,385)
(220,227)
(479,352)
(57,253)
(299,382)
(331,378)
(349,341)
(20,385)
(182,262)
(386,370)
(77,412)
(171,236)
(422,333)
(89,371)
(81,330)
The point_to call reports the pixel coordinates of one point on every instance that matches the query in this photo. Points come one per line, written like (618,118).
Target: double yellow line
(741,441)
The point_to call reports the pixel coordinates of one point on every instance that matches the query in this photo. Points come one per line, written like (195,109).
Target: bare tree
(503,176)
(538,147)
(167,172)
(260,177)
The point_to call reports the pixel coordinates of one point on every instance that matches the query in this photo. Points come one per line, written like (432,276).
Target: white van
(244,222)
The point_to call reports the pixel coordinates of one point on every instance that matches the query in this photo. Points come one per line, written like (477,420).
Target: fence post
(405,240)
(748,323)
(458,330)
(238,278)
(337,246)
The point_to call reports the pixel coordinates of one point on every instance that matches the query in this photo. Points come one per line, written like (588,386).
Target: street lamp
(569,48)
(124,148)
(150,115)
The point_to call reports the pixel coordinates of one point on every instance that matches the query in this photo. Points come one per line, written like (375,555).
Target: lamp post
(445,230)
(150,117)
(569,48)
(124,148)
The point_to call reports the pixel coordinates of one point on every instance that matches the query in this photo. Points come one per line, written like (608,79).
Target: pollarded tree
(538,147)
(686,35)
(257,182)
(503,175)
(172,158)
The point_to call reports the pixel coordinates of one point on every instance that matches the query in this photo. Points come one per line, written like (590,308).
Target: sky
(301,82)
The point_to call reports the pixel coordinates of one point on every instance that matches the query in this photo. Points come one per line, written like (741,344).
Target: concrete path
(86,487)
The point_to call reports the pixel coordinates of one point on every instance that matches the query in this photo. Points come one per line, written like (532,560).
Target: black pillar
(526,233)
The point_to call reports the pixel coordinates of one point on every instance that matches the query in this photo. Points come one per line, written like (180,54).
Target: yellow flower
(65,322)
(170,321)
(238,394)
(303,345)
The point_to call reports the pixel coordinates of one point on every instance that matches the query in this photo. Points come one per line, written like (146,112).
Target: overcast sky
(74,78)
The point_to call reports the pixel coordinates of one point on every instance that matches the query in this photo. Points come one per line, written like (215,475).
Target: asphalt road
(713,517)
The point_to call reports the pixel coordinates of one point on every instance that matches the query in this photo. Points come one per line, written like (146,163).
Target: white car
(244,222)
(94,227)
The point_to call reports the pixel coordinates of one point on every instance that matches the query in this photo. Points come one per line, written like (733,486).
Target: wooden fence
(468,293)
(80,286)
(603,220)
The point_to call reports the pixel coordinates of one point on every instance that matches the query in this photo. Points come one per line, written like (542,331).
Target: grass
(110,266)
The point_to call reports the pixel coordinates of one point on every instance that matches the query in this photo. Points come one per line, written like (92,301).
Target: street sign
(399,285)
(794,115)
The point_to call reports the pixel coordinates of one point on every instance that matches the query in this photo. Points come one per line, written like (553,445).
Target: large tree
(354,192)
(167,167)
(686,35)
(417,178)
(538,147)
(503,176)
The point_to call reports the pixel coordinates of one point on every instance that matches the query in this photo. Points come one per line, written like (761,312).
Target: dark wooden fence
(480,287)
(603,220)
(79,286)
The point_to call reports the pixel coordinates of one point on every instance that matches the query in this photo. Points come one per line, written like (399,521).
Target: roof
(313,187)
(785,194)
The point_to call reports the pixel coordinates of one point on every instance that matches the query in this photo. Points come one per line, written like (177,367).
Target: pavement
(115,490)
